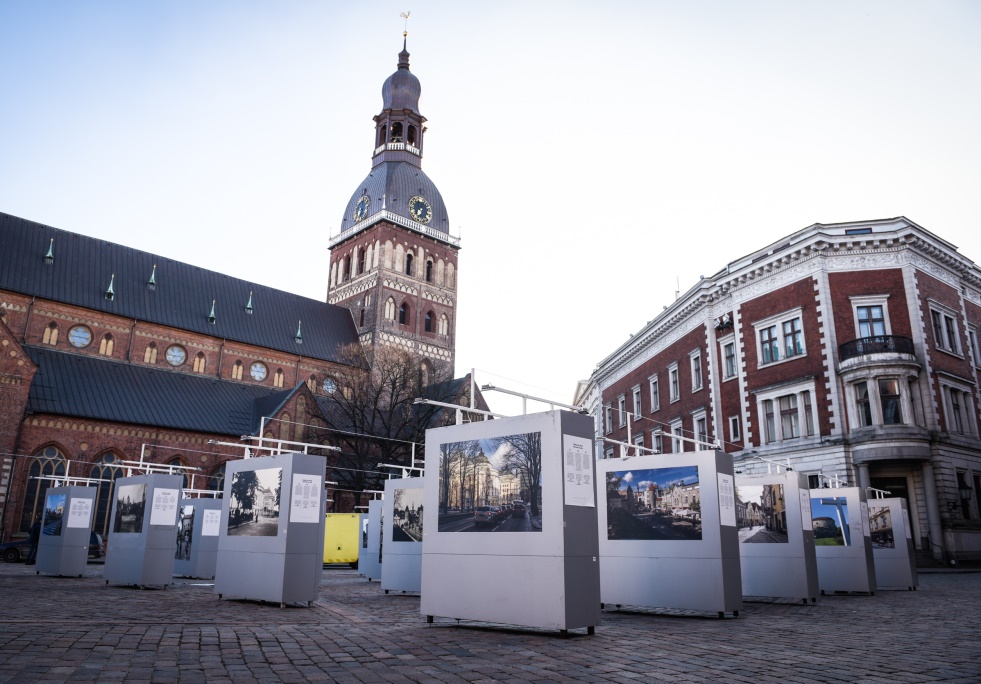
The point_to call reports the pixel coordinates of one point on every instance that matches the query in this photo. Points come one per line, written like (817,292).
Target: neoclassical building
(848,350)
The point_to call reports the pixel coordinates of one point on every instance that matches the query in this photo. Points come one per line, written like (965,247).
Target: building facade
(849,351)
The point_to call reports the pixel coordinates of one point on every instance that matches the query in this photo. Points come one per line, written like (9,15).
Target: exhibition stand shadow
(510,523)
(892,544)
(63,547)
(402,535)
(271,543)
(198,529)
(842,540)
(667,532)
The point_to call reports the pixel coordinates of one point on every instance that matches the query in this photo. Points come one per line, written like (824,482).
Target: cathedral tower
(394,262)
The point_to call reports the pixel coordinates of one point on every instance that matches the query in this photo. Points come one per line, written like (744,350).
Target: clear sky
(593,156)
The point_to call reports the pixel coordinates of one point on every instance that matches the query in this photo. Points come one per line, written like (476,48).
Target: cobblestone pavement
(74,630)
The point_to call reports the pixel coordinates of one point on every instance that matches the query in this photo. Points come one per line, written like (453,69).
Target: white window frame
(674,382)
(777,322)
(677,429)
(700,416)
(638,409)
(969,426)
(655,388)
(622,410)
(875,400)
(695,363)
(774,396)
(972,340)
(947,317)
(723,343)
(871,300)
(608,419)
(639,441)
(734,433)
(657,440)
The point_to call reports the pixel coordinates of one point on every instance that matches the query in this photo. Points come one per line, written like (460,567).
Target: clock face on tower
(361,208)
(420,210)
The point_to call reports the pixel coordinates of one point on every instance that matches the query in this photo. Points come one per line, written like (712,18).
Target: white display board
(211,523)
(163,510)
(842,542)
(892,544)
(80,513)
(305,498)
(402,532)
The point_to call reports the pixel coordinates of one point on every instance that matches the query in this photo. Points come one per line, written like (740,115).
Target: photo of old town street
(491,485)
(657,503)
(407,515)
(130,506)
(253,510)
(761,514)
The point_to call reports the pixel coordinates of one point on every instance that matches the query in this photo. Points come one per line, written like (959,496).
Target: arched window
(444,325)
(285,425)
(216,482)
(381,136)
(411,139)
(48,461)
(403,314)
(105,346)
(278,378)
(429,321)
(199,363)
(176,461)
(333,274)
(429,270)
(361,259)
(347,267)
(369,255)
(105,468)
(312,383)
(408,263)
(390,309)
(450,275)
(50,335)
(150,353)
(396,132)
(237,370)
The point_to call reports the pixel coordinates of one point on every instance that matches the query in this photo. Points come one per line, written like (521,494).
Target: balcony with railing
(877,350)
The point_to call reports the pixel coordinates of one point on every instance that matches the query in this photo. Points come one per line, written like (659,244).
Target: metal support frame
(489,387)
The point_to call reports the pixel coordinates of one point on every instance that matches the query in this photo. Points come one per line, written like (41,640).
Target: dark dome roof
(398,182)
(401,90)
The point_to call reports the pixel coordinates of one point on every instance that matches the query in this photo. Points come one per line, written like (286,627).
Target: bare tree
(524,458)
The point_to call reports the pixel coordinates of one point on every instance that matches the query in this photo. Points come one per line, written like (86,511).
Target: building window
(734,428)
(863,403)
(639,441)
(677,431)
(47,463)
(787,413)
(959,409)
(793,338)
(768,344)
(403,314)
(429,271)
(312,383)
(50,334)
(729,360)
(106,345)
(278,378)
(656,440)
(78,336)
(701,430)
(199,363)
(972,338)
(622,410)
(150,353)
(408,263)
(769,423)
(814,482)
(609,453)
(637,409)
(237,370)
(390,309)
(962,485)
(330,385)
(889,400)
(444,325)
(608,418)
(655,396)
(675,384)
(696,371)
(945,331)
(780,338)
(871,321)
(789,418)
(176,355)
(257,371)
(429,321)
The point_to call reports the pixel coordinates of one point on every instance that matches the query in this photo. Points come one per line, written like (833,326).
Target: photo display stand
(142,544)
(271,544)
(510,533)
(342,538)
(892,544)
(668,536)
(402,535)
(776,538)
(842,540)
(198,529)
(63,547)
(369,558)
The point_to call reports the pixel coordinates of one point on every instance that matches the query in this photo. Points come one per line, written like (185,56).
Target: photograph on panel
(54,511)
(880,522)
(185,530)
(253,510)
(829,517)
(407,515)
(761,514)
(130,506)
(491,485)
(656,503)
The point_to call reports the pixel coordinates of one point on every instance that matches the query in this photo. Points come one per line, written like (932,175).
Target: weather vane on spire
(405,15)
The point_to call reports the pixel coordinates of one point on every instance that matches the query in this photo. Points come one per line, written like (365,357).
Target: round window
(330,385)
(258,371)
(80,336)
(176,356)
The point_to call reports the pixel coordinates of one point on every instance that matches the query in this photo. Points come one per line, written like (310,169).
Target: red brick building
(849,349)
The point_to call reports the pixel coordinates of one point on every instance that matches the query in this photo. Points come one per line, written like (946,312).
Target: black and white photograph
(185,530)
(253,509)
(829,518)
(761,514)
(491,485)
(880,522)
(130,507)
(407,515)
(54,513)
(655,503)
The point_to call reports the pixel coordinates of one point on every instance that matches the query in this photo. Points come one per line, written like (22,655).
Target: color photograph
(657,503)
(880,522)
(829,517)
(54,512)
(130,506)
(185,530)
(761,514)
(253,509)
(491,485)
(407,515)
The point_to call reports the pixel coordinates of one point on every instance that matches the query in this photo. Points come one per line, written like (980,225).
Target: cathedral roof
(390,186)
(143,395)
(83,269)
(401,90)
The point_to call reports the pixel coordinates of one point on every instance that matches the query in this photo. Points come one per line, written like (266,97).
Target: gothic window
(403,314)
(47,462)
(105,468)
(105,346)
(50,335)
(408,263)
(390,309)
(359,260)
(79,336)
(387,258)
(150,353)
(285,425)
(237,370)
(176,461)
(429,270)
(347,267)
(444,325)
(278,378)
(199,363)
(312,383)
(429,321)
(216,482)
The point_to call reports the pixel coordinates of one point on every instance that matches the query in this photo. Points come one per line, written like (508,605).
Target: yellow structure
(342,538)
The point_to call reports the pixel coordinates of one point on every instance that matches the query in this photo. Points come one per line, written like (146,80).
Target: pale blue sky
(591,155)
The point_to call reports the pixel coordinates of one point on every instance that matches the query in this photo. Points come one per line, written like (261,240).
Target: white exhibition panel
(539,571)
(786,568)
(63,547)
(369,561)
(401,560)
(847,565)
(198,529)
(701,574)
(892,544)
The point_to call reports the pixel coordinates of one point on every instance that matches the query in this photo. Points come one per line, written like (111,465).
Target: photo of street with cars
(491,485)
(655,503)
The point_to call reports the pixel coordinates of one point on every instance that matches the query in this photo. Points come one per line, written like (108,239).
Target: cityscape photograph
(761,514)
(657,503)
(54,512)
(185,531)
(253,510)
(130,506)
(829,517)
(880,523)
(406,515)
